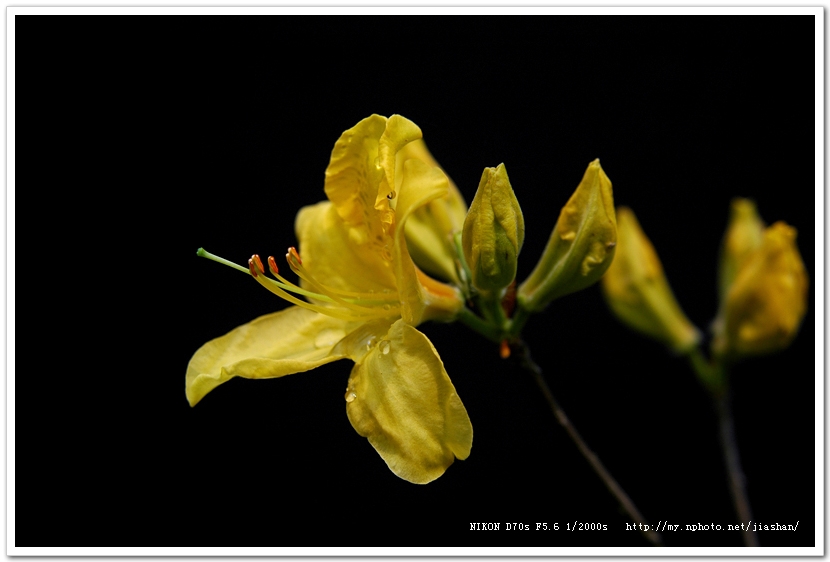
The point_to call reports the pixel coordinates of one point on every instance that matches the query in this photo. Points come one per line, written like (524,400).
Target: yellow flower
(638,292)
(581,246)
(364,298)
(763,307)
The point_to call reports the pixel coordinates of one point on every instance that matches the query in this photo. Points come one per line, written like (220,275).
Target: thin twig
(523,354)
(715,378)
(737,482)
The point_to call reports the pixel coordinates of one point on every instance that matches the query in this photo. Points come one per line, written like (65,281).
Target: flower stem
(477,324)
(737,482)
(711,375)
(715,378)
(520,318)
(522,353)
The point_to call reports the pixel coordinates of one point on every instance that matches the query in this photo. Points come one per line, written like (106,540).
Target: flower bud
(494,232)
(744,235)
(638,292)
(767,299)
(581,245)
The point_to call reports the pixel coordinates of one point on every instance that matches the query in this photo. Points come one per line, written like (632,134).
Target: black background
(140,139)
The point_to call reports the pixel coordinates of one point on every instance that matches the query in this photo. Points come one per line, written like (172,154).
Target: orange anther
(293,254)
(504,351)
(255,265)
(272,263)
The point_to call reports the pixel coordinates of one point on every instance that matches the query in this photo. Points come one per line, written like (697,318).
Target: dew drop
(329,337)
(384,347)
(370,343)
(387,307)
(350,396)
(391,194)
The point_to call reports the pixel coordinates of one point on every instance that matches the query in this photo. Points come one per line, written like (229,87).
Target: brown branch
(737,482)
(522,353)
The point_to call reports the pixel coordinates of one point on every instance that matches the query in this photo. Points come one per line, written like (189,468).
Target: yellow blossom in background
(763,307)
(360,298)
(638,292)
(581,246)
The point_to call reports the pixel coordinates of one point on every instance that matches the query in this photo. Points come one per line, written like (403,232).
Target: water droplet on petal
(384,347)
(391,194)
(387,307)
(350,396)
(370,342)
(329,337)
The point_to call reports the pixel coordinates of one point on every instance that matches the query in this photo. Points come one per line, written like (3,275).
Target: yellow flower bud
(581,246)
(638,292)
(744,235)
(767,300)
(494,231)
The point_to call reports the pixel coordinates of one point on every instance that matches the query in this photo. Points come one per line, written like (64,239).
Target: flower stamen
(272,265)
(296,264)
(293,256)
(331,305)
(255,261)
(277,288)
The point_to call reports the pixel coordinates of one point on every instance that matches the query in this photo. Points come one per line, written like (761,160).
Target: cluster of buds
(762,279)
(477,250)
(580,248)
(762,286)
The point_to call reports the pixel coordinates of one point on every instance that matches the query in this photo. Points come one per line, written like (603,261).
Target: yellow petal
(357,251)
(333,256)
(399,132)
(363,339)
(429,247)
(286,342)
(431,228)
(406,405)
(353,176)
(421,298)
